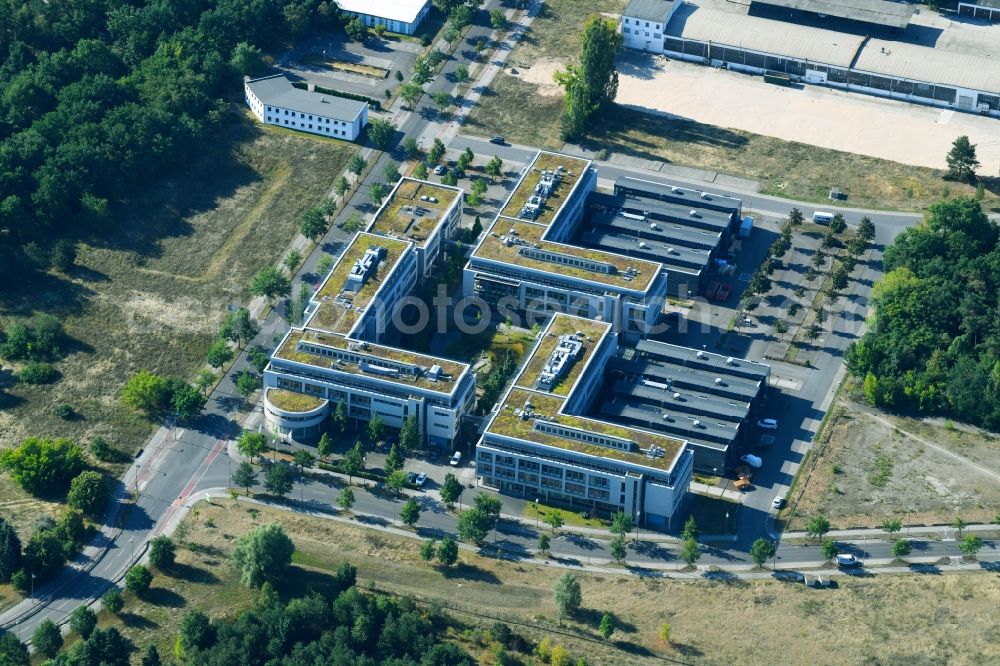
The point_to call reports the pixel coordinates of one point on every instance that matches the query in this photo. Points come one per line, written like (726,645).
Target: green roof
(290,401)
(398,216)
(562,324)
(573,167)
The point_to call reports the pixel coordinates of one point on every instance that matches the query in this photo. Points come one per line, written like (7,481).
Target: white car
(455,459)
(752,460)
(420,480)
(778,502)
(768,424)
(847,560)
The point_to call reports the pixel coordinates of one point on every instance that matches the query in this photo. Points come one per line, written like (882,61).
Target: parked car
(421,480)
(724,291)
(768,424)
(752,460)
(778,502)
(411,477)
(456,458)
(440,170)
(498,140)
(847,560)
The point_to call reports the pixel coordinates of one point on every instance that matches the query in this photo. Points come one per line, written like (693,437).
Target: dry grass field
(148,294)
(863,620)
(869,471)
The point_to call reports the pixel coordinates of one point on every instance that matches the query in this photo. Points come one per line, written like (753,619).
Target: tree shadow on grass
(136,621)
(161,596)
(191,574)
(592,618)
(471,572)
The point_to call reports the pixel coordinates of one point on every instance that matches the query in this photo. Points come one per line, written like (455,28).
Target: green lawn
(570,518)
(148,293)
(555,32)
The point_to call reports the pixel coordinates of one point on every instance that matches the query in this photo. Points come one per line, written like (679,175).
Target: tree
(47,640)
(43,466)
(380,133)
(567,594)
(162,552)
(313,224)
(341,185)
(817,527)
(325,446)
(461,73)
(353,462)
(138,579)
(247,59)
(409,513)
(961,159)
(780,327)
(428,549)
(145,392)
(88,492)
(621,523)
(690,530)
(437,151)
(690,551)
(411,94)
(356,30)
(442,100)
(450,490)
(760,283)
(263,554)
(900,548)
(498,19)
(377,192)
(490,505)
(83,621)
(450,179)
(251,444)
(196,632)
(409,434)
(958,524)
(376,428)
(205,380)
(553,519)
(970,545)
(304,459)
(473,525)
(450,34)
(244,477)
(420,171)
(890,527)
(219,354)
(591,85)
(391,171)
(607,627)
(356,165)
(396,481)
(866,230)
(394,461)
(10,551)
(829,549)
(447,551)
(270,283)
(411,148)
(187,401)
(478,190)
(618,549)
(346,499)
(762,550)
(543,543)
(151,657)
(494,168)
(113,601)
(278,479)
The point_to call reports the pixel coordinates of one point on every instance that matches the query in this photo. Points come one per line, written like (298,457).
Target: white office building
(275,101)
(402,16)
(643,23)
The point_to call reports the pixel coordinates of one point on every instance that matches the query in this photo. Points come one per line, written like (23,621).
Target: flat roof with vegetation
(336,318)
(289,351)
(508,424)
(290,401)
(562,324)
(545,161)
(406,215)
(491,247)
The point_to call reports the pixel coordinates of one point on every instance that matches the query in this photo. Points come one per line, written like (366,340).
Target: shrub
(162,552)
(63,410)
(43,466)
(138,579)
(88,492)
(37,372)
(112,601)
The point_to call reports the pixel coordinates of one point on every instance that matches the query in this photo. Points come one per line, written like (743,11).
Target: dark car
(499,140)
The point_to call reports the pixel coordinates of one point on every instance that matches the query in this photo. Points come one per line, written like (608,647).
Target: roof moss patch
(290,401)
(414,210)
(573,167)
(562,324)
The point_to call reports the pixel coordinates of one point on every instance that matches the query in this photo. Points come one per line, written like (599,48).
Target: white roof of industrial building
(405,11)
(920,63)
(880,12)
(649,10)
(765,36)
(278,91)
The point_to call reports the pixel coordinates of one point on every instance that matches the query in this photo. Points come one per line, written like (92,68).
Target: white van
(819,217)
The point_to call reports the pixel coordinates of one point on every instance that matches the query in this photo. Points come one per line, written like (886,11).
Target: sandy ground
(856,123)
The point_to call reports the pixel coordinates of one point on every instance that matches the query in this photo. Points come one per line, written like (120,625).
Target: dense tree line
(99,96)
(933,345)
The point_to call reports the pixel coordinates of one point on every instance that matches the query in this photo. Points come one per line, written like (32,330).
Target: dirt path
(872,414)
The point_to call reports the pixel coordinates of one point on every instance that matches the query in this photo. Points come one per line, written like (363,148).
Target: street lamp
(727,523)
(138,466)
(536,513)
(32,584)
(132,543)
